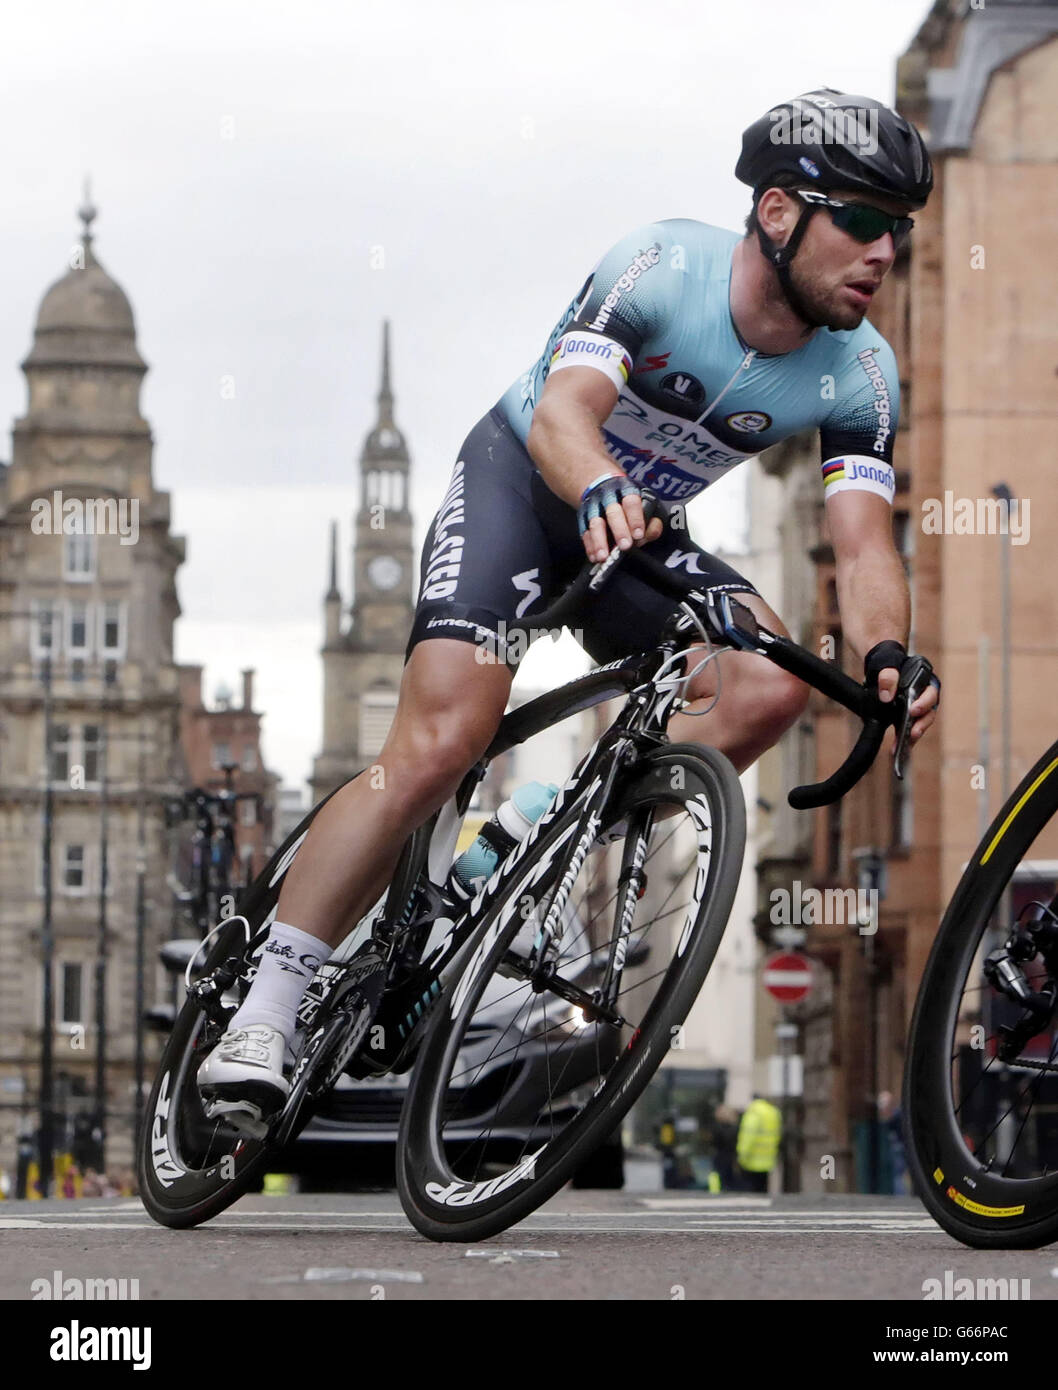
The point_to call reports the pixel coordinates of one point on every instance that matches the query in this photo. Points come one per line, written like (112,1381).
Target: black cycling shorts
(503,546)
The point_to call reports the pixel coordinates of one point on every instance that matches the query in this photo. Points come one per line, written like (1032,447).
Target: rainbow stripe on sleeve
(833,472)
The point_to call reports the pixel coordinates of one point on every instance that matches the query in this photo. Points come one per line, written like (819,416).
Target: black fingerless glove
(882,657)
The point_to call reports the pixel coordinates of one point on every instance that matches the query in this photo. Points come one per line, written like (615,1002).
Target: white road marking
(513,1254)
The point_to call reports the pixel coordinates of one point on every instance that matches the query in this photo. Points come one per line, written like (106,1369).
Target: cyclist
(687,349)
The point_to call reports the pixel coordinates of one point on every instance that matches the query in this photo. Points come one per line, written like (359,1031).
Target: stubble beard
(818,304)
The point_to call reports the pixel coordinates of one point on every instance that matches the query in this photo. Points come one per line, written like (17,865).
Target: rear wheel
(981,1081)
(528,1066)
(191,1167)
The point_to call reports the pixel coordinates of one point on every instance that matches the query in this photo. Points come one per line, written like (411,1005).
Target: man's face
(835,275)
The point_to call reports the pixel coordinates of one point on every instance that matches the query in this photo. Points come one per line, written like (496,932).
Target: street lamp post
(99,1123)
(872,880)
(1005,496)
(141,927)
(47,939)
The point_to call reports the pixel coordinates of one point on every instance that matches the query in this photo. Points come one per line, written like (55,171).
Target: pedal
(245,1119)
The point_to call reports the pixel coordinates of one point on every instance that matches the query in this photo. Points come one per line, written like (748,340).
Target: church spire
(385,443)
(385,395)
(332,592)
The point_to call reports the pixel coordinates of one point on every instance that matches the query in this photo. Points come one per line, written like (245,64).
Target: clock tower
(363,659)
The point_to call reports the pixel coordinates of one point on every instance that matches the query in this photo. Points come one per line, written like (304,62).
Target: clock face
(384,571)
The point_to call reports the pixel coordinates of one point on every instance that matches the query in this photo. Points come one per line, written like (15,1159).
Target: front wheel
(528,1065)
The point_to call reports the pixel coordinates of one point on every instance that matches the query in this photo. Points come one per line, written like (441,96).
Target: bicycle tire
(177,1187)
(426,1180)
(979,1206)
(182,1184)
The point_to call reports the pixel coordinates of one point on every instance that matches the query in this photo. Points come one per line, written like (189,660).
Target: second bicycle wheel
(981,1078)
(523,1072)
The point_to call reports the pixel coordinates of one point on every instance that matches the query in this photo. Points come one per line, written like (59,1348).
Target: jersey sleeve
(626,299)
(856,438)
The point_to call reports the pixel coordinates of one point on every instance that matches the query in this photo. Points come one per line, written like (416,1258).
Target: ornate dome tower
(84,369)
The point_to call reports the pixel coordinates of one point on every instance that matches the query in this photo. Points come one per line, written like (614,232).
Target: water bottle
(507,828)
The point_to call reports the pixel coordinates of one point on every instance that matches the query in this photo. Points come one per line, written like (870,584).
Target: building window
(385,488)
(44,627)
(78,558)
(59,754)
(92,752)
(221,755)
(377,708)
(112,628)
(71,994)
(249,813)
(249,758)
(73,870)
(77,628)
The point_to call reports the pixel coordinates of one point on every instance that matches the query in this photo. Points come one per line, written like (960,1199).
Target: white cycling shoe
(242,1079)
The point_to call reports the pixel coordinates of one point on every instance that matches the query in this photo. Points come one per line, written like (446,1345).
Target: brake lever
(652,507)
(916,676)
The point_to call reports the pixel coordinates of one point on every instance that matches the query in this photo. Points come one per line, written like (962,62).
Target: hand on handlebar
(923,710)
(622,519)
(913,683)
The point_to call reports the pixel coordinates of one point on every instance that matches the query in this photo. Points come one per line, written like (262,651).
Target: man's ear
(775,212)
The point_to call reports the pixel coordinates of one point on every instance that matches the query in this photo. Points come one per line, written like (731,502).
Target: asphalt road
(581,1245)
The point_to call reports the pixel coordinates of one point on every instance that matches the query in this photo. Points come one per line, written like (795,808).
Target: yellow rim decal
(938,1176)
(978,1209)
(1021,802)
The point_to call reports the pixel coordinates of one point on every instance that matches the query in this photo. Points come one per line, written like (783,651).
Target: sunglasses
(860,220)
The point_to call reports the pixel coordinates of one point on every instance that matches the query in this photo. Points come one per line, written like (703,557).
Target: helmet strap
(781,256)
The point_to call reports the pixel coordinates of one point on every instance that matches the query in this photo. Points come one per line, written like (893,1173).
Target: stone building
(363,658)
(972,324)
(87,570)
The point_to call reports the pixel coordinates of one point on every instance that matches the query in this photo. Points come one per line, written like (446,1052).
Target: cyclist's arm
(566,445)
(630,293)
(872,587)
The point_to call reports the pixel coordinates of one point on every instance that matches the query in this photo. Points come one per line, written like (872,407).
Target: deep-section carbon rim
(981,1138)
(190,1167)
(517,1085)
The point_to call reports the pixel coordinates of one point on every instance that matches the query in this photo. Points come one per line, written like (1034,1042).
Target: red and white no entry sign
(787,977)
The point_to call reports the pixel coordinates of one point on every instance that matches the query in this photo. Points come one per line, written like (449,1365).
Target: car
(350,1141)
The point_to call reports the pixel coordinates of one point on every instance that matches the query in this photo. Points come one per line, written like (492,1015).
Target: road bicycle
(531,1017)
(980,1102)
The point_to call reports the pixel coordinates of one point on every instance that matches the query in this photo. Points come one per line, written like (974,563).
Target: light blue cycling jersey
(694,400)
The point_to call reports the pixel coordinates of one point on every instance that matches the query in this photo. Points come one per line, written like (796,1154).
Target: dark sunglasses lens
(867,224)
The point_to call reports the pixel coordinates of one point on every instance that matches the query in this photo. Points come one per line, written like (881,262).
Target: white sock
(288,960)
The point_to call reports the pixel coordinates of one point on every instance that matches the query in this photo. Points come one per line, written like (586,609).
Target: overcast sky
(248,160)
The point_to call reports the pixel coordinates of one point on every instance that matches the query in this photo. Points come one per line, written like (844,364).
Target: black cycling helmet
(854,149)
(857,144)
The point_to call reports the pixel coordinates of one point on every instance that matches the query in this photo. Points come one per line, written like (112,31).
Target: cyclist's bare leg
(449,708)
(758,700)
